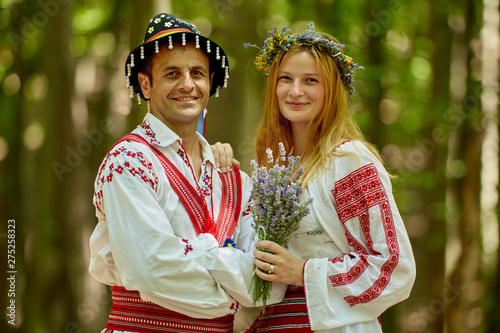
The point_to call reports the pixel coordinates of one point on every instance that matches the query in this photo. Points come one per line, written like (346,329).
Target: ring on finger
(271,268)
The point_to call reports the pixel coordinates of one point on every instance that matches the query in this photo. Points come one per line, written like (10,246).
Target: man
(164,210)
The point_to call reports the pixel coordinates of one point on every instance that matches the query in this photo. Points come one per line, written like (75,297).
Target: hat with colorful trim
(165,28)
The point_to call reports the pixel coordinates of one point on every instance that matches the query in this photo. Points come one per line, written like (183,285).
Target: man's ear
(145,84)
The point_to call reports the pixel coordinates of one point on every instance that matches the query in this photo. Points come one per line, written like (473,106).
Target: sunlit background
(428,99)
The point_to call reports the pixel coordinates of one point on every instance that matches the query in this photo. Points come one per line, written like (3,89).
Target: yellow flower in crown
(281,41)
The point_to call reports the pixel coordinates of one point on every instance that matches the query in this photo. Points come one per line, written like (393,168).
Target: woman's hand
(223,155)
(279,266)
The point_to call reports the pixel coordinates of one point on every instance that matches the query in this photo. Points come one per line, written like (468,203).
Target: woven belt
(288,316)
(130,313)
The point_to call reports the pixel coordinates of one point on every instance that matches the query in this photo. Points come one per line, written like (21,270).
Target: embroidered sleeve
(355,195)
(148,255)
(118,161)
(372,267)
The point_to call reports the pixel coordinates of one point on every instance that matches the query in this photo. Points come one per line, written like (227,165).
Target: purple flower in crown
(281,41)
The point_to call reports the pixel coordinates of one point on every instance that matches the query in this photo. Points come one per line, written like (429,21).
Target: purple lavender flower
(276,207)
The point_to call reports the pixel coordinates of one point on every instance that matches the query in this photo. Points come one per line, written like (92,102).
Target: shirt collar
(157,133)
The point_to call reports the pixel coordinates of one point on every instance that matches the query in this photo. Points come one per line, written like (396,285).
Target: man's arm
(146,253)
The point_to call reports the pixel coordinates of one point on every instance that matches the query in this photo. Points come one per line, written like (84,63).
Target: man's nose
(186,82)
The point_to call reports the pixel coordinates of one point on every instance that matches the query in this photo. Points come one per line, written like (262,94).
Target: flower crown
(278,42)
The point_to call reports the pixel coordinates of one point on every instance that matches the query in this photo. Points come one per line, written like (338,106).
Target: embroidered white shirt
(363,262)
(145,240)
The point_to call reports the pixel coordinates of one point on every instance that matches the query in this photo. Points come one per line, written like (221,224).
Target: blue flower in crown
(281,41)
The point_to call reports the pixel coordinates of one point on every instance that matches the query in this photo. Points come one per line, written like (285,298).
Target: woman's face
(299,90)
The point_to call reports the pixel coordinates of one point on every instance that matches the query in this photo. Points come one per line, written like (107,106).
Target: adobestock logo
(75,155)
(40,18)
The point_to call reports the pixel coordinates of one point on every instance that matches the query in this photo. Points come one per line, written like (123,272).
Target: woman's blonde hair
(331,126)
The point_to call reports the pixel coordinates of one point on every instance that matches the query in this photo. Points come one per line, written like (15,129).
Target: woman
(342,279)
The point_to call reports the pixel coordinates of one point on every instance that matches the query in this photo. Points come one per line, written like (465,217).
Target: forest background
(428,99)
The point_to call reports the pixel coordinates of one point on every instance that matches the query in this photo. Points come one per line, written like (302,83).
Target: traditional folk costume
(148,248)
(162,234)
(360,265)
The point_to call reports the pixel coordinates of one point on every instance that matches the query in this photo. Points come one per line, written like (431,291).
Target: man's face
(180,86)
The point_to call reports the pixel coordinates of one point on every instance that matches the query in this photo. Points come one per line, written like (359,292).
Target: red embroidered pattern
(354,195)
(351,276)
(247,211)
(206,179)
(206,183)
(188,248)
(195,205)
(183,155)
(106,172)
(339,259)
(149,132)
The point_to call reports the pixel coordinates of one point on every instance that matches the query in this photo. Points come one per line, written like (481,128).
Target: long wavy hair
(331,126)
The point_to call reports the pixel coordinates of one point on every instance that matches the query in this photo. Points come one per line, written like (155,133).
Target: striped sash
(131,314)
(288,316)
(195,205)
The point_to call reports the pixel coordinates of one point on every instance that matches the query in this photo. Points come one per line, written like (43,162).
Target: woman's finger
(216,152)
(269,245)
(223,155)
(236,162)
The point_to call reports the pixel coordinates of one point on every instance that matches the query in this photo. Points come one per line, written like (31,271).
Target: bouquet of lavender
(276,206)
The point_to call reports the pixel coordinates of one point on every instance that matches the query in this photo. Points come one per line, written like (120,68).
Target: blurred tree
(48,180)
(465,148)
(426,163)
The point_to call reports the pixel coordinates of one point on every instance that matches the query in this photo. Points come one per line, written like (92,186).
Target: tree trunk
(490,162)
(53,243)
(461,315)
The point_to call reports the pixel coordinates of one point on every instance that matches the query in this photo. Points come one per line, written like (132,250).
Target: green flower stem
(263,288)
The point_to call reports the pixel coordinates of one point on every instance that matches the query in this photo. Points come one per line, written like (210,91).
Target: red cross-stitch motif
(108,170)
(247,211)
(355,194)
(188,247)
(149,132)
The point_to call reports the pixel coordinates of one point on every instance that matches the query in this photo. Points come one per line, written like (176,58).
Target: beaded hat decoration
(164,28)
(277,42)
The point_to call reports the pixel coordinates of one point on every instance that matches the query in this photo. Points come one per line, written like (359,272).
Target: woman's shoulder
(352,150)
(349,156)
(352,146)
